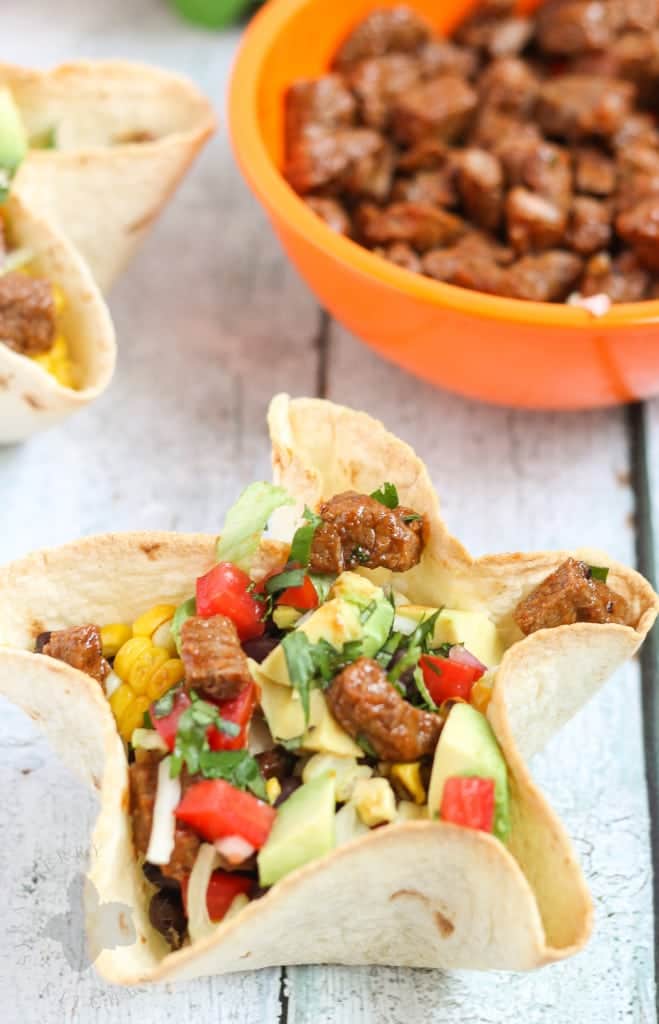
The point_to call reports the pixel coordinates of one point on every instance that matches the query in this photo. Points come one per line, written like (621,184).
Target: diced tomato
(223,888)
(215,809)
(447,679)
(304,597)
(167,726)
(469,802)
(239,710)
(227,590)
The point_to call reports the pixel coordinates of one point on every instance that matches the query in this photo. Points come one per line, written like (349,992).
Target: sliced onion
(199,923)
(464,657)
(404,625)
(234,849)
(112,682)
(148,739)
(237,904)
(168,796)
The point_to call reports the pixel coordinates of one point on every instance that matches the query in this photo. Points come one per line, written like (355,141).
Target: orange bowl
(526,354)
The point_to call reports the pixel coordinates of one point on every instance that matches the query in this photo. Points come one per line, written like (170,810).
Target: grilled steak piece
(639,227)
(441,107)
(569,595)
(332,212)
(79,647)
(367,706)
(377,81)
(578,107)
(396,30)
(167,915)
(358,160)
(623,279)
(143,779)
(568,27)
(214,661)
(358,530)
(421,225)
(27,314)
(317,106)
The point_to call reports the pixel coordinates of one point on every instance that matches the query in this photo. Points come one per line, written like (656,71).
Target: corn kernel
(147,624)
(133,717)
(167,675)
(113,637)
(128,653)
(481,694)
(143,667)
(409,776)
(375,801)
(121,700)
(64,373)
(45,359)
(272,789)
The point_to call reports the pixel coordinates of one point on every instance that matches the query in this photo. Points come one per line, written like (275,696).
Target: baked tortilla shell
(31,399)
(103,190)
(422,893)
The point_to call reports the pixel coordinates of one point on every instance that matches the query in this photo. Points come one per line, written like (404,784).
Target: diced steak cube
(637,59)
(27,314)
(590,226)
(427,155)
(435,187)
(358,160)
(318,106)
(639,227)
(640,14)
(568,27)
(395,30)
(402,254)
(480,184)
(496,35)
(80,647)
(214,661)
(475,261)
(533,222)
(378,81)
(509,85)
(441,107)
(359,531)
(575,107)
(368,707)
(548,277)
(623,279)
(143,779)
(567,596)
(594,172)
(421,225)
(443,57)
(332,212)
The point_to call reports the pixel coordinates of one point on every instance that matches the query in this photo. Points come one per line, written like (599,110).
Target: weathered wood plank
(210,322)
(514,481)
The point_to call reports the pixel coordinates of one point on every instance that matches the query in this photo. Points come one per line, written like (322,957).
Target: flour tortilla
(423,894)
(30,397)
(104,192)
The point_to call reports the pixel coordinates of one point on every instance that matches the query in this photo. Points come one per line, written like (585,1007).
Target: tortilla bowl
(427,893)
(31,399)
(124,133)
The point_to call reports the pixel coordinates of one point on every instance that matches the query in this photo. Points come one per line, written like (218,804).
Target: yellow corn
(481,694)
(113,637)
(128,654)
(133,716)
(409,776)
(272,789)
(147,624)
(120,701)
(144,666)
(169,674)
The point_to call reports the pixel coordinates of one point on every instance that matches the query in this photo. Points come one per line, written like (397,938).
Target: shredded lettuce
(183,612)
(246,521)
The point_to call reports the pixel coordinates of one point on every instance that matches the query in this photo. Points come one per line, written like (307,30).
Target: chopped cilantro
(410,659)
(323,583)
(361,555)
(286,579)
(235,766)
(424,693)
(147,721)
(422,635)
(364,743)
(599,572)
(412,517)
(387,495)
(191,739)
(303,538)
(301,667)
(165,705)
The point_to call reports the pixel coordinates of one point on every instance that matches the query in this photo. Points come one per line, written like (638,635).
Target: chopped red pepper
(447,679)
(167,726)
(227,590)
(469,802)
(239,710)
(223,888)
(304,597)
(215,809)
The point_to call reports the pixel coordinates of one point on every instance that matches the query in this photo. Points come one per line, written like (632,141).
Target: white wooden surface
(211,321)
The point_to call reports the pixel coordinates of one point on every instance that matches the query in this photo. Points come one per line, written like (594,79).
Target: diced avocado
(352,585)
(13,138)
(327,737)
(283,709)
(303,830)
(468,747)
(344,770)
(473,629)
(285,617)
(407,811)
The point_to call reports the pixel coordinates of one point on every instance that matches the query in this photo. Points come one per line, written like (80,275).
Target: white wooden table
(211,321)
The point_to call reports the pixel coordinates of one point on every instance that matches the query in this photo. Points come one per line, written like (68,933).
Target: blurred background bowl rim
(268,182)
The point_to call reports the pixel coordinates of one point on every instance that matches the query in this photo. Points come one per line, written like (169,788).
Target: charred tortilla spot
(409,892)
(34,715)
(34,402)
(96,781)
(5,381)
(151,550)
(444,926)
(125,800)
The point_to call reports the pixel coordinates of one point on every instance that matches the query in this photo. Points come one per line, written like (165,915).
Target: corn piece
(144,666)
(273,789)
(64,373)
(121,700)
(45,359)
(409,776)
(147,624)
(169,674)
(133,717)
(128,653)
(163,637)
(375,801)
(481,693)
(113,637)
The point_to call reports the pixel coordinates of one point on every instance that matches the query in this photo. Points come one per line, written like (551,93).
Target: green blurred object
(212,13)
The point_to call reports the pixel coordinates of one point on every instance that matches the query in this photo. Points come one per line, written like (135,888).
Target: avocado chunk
(13,138)
(475,630)
(468,747)
(303,830)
